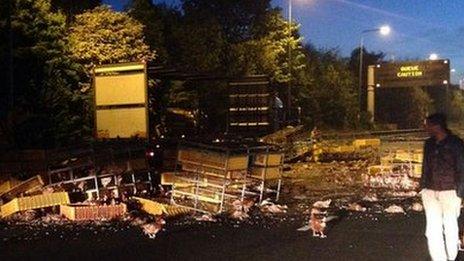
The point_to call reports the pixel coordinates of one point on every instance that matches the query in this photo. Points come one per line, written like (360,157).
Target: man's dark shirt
(443,164)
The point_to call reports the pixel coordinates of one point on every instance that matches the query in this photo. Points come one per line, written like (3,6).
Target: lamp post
(384,30)
(289,89)
(433,56)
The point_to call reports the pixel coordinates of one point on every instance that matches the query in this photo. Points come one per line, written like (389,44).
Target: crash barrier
(34,202)
(383,133)
(92,212)
(209,177)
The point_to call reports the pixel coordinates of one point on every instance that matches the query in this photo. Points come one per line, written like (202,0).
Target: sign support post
(371,92)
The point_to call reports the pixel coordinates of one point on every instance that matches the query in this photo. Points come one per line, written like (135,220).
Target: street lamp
(383,30)
(433,56)
(289,89)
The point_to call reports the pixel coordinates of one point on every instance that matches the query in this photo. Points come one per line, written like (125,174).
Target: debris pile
(393,181)
(394,209)
(267,206)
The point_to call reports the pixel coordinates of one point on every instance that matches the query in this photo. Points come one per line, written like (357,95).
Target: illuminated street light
(433,56)
(289,99)
(383,30)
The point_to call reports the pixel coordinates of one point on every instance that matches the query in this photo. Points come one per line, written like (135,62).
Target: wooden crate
(271,159)
(363,143)
(7,185)
(341,149)
(416,170)
(386,160)
(33,202)
(213,159)
(208,196)
(379,169)
(232,174)
(409,156)
(266,173)
(92,212)
(156,208)
(31,184)
(170,178)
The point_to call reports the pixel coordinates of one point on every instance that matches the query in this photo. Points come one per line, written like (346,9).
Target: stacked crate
(34,202)
(267,166)
(208,177)
(157,209)
(267,169)
(22,188)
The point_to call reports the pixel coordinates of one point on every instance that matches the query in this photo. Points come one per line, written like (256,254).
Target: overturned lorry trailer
(123,109)
(127,108)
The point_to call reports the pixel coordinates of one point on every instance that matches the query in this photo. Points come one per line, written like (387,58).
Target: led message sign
(408,74)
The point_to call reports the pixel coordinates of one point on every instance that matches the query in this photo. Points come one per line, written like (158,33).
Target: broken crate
(92,212)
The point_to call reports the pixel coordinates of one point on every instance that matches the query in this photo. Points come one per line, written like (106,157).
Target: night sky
(419,27)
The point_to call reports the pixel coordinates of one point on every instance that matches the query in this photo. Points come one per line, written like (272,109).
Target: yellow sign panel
(410,71)
(121,101)
(119,68)
(120,89)
(122,123)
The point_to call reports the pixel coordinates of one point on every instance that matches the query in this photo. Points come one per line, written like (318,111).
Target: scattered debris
(416,206)
(304,228)
(151,229)
(356,207)
(137,222)
(402,194)
(394,209)
(322,204)
(269,207)
(206,217)
(393,181)
(370,198)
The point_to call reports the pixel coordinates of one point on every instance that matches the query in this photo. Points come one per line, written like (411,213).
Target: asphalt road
(357,236)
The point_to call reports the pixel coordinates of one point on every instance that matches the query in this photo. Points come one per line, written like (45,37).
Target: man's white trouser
(442,209)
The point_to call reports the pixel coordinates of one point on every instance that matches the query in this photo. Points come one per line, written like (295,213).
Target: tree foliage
(46,103)
(328,94)
(158,21)
(56,43)
(456,109)
(406,107)
(101,36)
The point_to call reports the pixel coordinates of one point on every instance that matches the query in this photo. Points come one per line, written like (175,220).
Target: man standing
(442,185)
